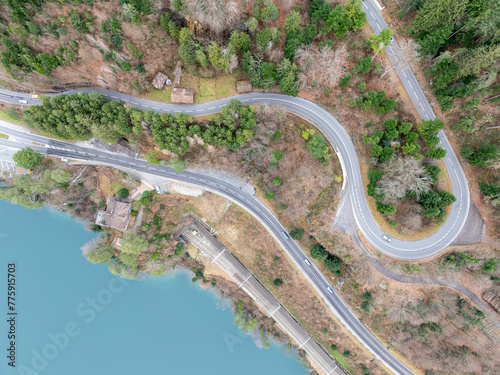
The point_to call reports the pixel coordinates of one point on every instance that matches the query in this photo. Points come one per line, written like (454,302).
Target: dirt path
(426,280)
(346,223)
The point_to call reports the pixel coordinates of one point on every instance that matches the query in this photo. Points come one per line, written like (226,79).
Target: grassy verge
(3,116)
(206,89)
(4,136)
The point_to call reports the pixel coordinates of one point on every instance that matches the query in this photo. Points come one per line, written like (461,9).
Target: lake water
(75,318)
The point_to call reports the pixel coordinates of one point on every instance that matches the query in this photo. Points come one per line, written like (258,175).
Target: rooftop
(116,215)
(184,96)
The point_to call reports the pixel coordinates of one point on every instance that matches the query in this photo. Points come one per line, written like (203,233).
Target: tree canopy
(133,243)
(101,255)
(27,158)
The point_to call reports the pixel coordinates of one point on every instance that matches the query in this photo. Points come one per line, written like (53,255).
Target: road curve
(243,198)
(341,141)
(457,176)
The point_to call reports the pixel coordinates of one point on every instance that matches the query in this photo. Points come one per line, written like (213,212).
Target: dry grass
(206,89)
(401,311)
(256,249)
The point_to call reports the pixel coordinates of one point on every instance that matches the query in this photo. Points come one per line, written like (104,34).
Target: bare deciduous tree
(409,50)
(287,4)
(233,63)
(91,245)
(215,14)
(403,175)
(275,54)
(322,68)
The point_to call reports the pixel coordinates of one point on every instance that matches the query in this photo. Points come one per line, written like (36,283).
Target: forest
(83,116)
(463,38)
(405,169)
(318,47)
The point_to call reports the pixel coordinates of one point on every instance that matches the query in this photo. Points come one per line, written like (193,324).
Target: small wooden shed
(159,80)
(244,86)
(177,74)
(182,96)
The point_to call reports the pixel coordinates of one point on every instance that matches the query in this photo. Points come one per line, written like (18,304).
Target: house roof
(159,80)
(116,215)
(179,95)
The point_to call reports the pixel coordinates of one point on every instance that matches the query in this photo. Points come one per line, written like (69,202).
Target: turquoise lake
(75,318)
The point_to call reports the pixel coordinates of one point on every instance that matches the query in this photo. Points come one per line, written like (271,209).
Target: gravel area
(473,230)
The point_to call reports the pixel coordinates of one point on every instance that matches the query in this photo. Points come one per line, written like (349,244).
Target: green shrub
(122,193)
(277,156)
(277,181)
(27,158)
(344,82)
(278,282)
(12,114)
(96,228)
(297,234)
(412,268)
(364,65)
(319,252)
(333,264)
(179,248)
(145,198)
(361,87)
(386,209)
(366,296)
(269,195)
(282,206)
(146,227)
(367,307)
(125,66)
(490,266)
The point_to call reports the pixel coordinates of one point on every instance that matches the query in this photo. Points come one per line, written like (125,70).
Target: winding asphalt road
(341,141)
(344,148)
(243,198)
(457,176)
